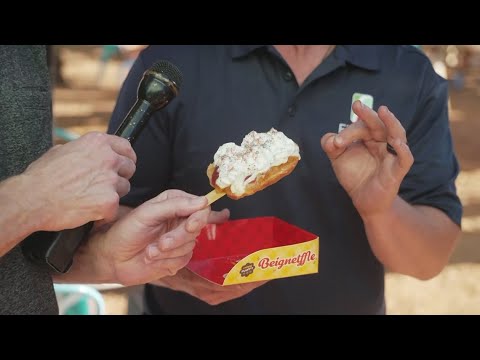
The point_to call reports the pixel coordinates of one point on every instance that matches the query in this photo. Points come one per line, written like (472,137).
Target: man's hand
(213,294)
(152,241)
(363,166)
(79,182)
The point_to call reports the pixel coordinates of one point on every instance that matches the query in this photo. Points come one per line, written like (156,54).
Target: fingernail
(360,104)
(338,140)
(152,251)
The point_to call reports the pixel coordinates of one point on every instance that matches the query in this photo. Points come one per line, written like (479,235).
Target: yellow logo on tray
(275,263)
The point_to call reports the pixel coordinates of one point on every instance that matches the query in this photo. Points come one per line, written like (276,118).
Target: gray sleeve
(431,180)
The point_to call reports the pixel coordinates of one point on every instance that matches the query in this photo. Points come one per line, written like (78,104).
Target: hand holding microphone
(80,181)
(89,188)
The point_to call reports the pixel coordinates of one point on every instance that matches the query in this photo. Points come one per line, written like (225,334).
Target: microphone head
(160,84)
(169,71)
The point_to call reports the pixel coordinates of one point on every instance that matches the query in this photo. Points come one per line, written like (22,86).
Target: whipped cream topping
(239,165)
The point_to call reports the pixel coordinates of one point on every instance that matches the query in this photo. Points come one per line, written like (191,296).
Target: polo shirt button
(292,110)
(288,76)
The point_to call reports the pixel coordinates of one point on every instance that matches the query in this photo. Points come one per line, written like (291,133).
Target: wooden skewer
(214,195)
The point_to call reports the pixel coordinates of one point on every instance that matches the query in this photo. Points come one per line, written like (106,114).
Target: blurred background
(87,79)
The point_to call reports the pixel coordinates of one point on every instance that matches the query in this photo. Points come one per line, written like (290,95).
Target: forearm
(90,265)
(17,220)
(412,240)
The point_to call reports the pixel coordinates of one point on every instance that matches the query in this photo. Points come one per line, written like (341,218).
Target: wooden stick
(214,195)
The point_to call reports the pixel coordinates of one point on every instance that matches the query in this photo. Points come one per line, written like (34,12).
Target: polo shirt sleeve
(431,179)
(151,146)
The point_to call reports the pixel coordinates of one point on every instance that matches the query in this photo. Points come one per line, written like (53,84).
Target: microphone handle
(55,250)
(135,121)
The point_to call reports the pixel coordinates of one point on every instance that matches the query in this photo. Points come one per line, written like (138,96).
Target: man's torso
(228,92)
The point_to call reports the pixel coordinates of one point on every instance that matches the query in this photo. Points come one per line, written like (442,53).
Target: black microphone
(159,85)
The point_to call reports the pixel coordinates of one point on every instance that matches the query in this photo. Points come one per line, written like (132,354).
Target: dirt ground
(83,105)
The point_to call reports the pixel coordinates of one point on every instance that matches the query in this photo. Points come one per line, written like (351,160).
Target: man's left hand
(367,171)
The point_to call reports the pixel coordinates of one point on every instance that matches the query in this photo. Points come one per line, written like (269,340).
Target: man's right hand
(79,182)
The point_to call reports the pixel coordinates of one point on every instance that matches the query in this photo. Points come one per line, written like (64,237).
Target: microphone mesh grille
(169,71)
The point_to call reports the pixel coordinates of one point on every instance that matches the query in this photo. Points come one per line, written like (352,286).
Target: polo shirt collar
(239,51)
(362,56)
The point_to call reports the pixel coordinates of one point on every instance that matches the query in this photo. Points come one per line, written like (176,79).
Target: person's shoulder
(402,55)
(411,52)
(410,61)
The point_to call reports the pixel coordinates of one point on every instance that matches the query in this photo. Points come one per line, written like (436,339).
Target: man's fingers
(126,167)
(219,217)
(380,127)
(168,267)
(240,289)
(122,147)
(185,232)
(155,251)
(172,194)
(220,294)
(246,288)
(122,186)
(180,207)
(403,160)
(331,149)
(175,207)
(371,119)
(197,221)
(393,126)
(355,132)
(109,207)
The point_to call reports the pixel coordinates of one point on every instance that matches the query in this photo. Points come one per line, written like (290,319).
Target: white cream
(258,153)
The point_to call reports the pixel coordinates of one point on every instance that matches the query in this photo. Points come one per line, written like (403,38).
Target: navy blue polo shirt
(231,90)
